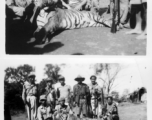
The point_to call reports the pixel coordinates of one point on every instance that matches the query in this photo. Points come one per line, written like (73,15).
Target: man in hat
(64,91)
(44,112)
(80,94)
(29,96)
(97,96)
(111,110)
(62,110)
(50,92)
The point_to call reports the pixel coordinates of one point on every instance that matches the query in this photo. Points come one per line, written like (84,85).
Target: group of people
(83,101)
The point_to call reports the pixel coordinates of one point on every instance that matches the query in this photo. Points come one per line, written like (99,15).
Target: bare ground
(127,111)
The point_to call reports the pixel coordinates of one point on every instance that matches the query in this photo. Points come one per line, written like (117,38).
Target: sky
(133,75)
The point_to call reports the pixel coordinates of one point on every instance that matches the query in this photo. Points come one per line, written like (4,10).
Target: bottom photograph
(78,91)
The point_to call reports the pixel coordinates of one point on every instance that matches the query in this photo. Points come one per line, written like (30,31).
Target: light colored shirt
(30,89)
(63,91)
(44,113)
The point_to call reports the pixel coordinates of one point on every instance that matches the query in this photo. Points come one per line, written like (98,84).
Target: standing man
(64,91)
(97,97)
(80,94)
(29,96)
(50,93)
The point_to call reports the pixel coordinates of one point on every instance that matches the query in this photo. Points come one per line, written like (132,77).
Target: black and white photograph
(76,27)
(115,90)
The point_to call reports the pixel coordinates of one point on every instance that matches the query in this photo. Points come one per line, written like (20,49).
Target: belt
(82,97)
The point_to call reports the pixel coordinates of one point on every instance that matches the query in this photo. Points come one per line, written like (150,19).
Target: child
(44,112)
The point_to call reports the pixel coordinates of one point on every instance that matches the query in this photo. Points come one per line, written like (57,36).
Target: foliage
(13,85)
(52,72)
(107,73)
(115,94)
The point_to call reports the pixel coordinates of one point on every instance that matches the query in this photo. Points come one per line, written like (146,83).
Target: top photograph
(76,27)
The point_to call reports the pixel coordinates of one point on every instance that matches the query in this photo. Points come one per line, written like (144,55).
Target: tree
(18,74)
(115,95)
(107,73)
(13,81)
(52,71)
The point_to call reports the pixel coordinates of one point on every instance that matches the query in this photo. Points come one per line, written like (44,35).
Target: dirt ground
(95,41)
(86,41)
(127,111)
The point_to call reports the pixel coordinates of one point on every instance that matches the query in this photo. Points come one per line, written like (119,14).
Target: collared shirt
(80,90)
(18,3)
(112,109)
(63,91)
(50,94)
(44,113)
(30,89)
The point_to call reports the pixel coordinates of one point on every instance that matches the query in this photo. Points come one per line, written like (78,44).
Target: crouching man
(44,112)
(110,110)
(62,111)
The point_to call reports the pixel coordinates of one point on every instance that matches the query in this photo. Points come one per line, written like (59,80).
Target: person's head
(43,100)
(49,82)
(62,80)
(109,99)
(61,101)
(31,78)
(93,79)
(79,79)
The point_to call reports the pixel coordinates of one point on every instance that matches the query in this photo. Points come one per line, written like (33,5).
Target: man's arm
(24,94)
(79,7)
(65,5)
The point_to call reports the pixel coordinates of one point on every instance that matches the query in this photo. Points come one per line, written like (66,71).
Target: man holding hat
(44,112)
(111,110)
(50,93)
(97,96)
(29,96)
(64,91)
(80,94)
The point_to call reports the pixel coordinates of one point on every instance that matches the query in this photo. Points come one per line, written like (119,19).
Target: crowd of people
(133,13)
(83,101)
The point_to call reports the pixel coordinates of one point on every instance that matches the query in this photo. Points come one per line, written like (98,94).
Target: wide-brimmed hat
(79,77)
(31,75)
(61,99)
(42,97)
(61,78)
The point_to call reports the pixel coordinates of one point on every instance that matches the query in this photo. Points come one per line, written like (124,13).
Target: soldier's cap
(79,77)
(93,76)
(49,80)
(42,97)
(31,75)
(61,78)
(61,99)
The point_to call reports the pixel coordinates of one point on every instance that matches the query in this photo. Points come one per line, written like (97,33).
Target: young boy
(44,112)
(62,110)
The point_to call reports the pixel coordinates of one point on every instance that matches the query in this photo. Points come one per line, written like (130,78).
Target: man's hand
(19,11)
(78,7)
